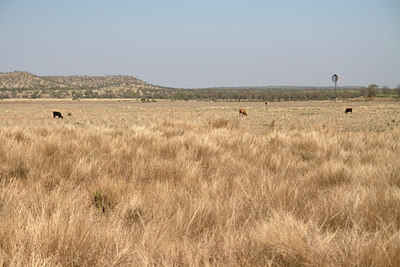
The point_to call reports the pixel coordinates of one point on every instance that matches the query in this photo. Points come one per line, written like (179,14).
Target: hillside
(26,85)
(95,81)
(25,80)
(19,80)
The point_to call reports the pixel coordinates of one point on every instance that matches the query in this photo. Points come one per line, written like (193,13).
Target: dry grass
(176,183)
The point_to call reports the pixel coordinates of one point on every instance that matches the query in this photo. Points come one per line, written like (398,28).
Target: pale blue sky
(192,44)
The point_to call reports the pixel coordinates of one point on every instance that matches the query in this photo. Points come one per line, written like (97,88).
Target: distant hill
(95,81)
(19,85)
(25,80)
(17,79)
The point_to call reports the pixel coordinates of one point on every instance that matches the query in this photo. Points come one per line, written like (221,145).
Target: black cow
(348,110)
(57,114)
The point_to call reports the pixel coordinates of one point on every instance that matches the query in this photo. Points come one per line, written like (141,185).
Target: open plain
(120,182)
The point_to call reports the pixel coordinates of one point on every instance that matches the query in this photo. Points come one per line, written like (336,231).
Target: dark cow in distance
(348,110)
(242,112)
(57,114)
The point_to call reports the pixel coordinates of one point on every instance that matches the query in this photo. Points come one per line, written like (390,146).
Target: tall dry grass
(209,191)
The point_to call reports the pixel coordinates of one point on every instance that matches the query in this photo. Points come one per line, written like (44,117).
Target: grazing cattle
(242,112)
(348,110)
(57,114)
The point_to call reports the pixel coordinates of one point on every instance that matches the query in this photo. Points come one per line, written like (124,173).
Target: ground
(367,115)
(121,182)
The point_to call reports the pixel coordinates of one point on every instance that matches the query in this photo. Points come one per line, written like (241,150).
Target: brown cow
(348,110)
(242,112)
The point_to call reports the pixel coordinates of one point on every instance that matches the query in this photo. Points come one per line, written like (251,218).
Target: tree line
(208,94)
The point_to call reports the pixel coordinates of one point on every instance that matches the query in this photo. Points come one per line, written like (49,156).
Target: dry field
(192,183)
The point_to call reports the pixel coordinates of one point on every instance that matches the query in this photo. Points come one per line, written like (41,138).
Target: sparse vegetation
(26,85)
(191,183)
(72,87)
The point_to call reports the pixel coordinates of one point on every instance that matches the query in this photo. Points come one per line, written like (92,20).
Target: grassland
(191,183)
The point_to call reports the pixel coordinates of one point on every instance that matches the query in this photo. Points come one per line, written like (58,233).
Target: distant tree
(385,90)
(76,95)
(88,94)
(14,94)
(398,91)
(4,96)
(35,95)
(372,90)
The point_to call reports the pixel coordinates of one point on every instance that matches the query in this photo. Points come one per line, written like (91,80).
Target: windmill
(335,78)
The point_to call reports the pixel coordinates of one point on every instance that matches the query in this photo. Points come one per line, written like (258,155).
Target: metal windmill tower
(335,78)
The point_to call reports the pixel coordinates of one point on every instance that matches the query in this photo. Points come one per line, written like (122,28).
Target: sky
(206,43)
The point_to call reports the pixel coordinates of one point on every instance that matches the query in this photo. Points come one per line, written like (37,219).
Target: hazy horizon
(195,44)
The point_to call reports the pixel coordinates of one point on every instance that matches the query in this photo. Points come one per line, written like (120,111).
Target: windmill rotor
(335,78)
